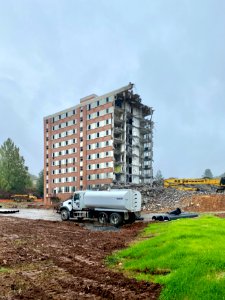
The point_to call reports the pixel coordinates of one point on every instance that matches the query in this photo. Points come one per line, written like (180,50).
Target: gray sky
(53,52)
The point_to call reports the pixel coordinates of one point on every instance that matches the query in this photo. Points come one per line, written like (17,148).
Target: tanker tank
(114,199)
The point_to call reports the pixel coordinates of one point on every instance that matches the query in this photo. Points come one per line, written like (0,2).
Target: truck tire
(116,219)
(65,215)
(131,219)
(103,218)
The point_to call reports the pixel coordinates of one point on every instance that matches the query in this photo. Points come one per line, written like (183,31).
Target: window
(97,103)
(97,176)
(89,106)
(97,145)
(107,111)
(107,164)
(89,147)
(89,177)
(81,149)
(89,156)
(74,112)
(107,132)
(97,124)
(97,166)
(107,99)
(107,143)
(107,121)
(89,126)
(81,168)
(89,167)
(81,177)
(81,119)
(97,155)
(97,113)
(98,134)
(81,128)
(81,139)
(107,153)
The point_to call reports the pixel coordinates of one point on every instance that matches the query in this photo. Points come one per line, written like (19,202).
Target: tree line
(14,175)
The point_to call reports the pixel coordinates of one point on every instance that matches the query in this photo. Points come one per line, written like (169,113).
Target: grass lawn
(186,256)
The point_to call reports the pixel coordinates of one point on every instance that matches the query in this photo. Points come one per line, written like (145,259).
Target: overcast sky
(54,52)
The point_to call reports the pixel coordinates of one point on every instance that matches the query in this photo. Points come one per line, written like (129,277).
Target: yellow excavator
(196,184)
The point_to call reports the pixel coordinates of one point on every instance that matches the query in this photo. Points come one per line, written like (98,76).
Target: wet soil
(42,259)
(204,203)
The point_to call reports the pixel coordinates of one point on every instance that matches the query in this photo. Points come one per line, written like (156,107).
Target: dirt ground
(204,203)
(62,260)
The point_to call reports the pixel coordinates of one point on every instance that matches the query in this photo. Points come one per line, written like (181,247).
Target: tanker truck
(114,206)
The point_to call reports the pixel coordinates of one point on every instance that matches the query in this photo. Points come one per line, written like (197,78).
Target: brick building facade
(102,140)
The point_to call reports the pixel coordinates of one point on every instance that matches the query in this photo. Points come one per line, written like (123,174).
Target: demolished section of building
(104,140)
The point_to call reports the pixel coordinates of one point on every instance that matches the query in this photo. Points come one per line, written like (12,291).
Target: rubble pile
(159,199)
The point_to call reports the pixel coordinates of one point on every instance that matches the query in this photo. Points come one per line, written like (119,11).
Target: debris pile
(159,199)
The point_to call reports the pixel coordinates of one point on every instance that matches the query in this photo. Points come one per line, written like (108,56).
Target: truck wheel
(103,218)
(116,219)
(131,219)
(65,215)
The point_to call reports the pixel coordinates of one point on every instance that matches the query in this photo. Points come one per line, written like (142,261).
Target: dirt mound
(204,203)
(61,260)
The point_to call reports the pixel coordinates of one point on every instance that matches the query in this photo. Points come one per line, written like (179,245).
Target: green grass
(186,256)
(4,270)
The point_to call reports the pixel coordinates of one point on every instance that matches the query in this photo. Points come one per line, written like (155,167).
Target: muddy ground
(62,260)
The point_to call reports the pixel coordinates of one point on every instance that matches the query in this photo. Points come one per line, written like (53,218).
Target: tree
(158,175)
(14,177)
(40,184)
(207,173)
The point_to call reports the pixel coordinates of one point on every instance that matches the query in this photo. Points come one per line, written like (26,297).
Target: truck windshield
(76,197)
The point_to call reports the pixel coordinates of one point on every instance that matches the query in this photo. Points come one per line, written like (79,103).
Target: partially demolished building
(102,140)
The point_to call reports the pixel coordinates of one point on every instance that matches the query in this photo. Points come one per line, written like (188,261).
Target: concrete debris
(157,198)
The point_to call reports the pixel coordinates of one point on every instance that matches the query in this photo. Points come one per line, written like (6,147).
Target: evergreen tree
(158,175)
(14,177)
(207,173)
(40,184)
